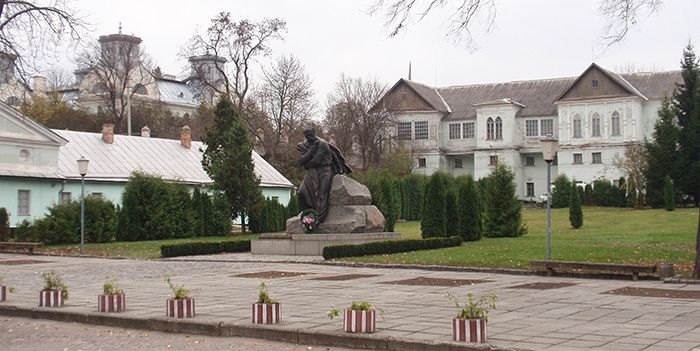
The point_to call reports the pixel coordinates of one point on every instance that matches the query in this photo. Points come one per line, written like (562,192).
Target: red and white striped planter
(50,298)
(179,308)
(3,293)
(266,313)
(469,330)
(111,303)
(359,321)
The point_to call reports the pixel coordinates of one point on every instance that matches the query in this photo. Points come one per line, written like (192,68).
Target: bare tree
(58,78)
(286,99)
(619,16)
(349,105)
(634,166)
(31,30)
(235,46)
(115,72)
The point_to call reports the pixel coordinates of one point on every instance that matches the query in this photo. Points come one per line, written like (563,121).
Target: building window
(596,157)
(615,124)
(468,130)
(530,161)
(421,162)
(595,125)
(65,197)
(578,159)
(546,127)
(13,101)
(140,89)
(23,155)
(457,163)
(404,130)
(530,189)
(577,126)
(455,131)
(493,160)
(420,128)
(99,88)
(23,202)
(594,83)
(489,129)
(499,128)
(97,195)
(531,129)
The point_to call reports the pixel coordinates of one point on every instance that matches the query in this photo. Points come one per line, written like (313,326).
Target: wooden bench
(587,267)
(13,246)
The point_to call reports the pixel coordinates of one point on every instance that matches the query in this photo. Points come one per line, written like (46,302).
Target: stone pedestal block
(312,244)
(344,219)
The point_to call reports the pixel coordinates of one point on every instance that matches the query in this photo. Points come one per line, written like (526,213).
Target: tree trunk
(696,272)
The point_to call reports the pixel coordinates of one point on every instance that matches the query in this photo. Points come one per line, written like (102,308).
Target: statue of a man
(322,161)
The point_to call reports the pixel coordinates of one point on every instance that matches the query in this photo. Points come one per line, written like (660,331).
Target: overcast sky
(532,39)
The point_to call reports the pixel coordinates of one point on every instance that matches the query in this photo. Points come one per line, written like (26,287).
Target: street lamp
(549,152)
(82,169)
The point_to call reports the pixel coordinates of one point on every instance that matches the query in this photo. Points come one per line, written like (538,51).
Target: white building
(466,129)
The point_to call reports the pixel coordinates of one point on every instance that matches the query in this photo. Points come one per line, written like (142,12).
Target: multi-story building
(466,129)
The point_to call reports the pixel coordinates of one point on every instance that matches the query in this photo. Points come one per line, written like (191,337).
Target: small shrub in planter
(4,289)
(112,298)
(55,291)
(360,317)
(470,322)
(180,305)
(266,310)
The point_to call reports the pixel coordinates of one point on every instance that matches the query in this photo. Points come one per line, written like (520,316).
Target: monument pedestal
(312,244)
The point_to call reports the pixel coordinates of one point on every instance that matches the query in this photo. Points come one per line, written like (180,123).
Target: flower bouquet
(308,220)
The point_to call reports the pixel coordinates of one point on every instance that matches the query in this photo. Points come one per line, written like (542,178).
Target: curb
(681,281)
(296,336)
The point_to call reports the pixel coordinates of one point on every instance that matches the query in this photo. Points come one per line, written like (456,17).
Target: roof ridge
(507,82)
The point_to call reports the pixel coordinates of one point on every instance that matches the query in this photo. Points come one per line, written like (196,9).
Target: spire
(120,27)
(409,70)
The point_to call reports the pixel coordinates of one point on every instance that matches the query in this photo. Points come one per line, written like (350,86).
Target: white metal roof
(175,92)
(165,158)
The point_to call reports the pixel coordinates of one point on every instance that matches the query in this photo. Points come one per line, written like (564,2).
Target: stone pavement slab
(577,317)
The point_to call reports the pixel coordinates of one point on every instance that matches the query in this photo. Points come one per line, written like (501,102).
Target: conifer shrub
(669,194)
(293,206)
(388,201)
(389,247)
(4,225)
(452,212)
(575,211)
(469,204)
(434,215)
(502,210)
(561,191)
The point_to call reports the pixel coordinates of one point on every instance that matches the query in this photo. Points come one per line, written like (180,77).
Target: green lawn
(134,249)
(608,235)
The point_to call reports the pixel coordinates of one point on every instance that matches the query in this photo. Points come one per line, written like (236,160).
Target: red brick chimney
(186,137)
(108,133)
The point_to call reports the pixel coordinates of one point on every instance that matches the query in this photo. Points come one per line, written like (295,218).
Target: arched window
(140,89)
(595,125)
(99,88)
(12,101)
(615,124)
(577,126)
(489,129)
(499,128)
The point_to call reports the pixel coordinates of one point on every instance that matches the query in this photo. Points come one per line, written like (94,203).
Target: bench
(13,246)
(588,267)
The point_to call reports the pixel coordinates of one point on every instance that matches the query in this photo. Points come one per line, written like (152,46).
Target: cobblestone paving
(576,317)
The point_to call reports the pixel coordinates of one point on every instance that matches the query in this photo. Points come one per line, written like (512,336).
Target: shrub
(388,201)
(204,248)
(669,194)
(575,211)
(272,217)
(469,203)
(451,212)
(502,215)
(389,247)
(4,225)
(62,224)
(413,186)
(293,206)
(604,193)
(561,192)
(434,215)
(588,195)
(26,231)
(632,196)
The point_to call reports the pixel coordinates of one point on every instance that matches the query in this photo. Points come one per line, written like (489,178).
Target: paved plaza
(578,314)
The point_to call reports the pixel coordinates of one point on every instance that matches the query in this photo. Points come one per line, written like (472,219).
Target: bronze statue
(322,161)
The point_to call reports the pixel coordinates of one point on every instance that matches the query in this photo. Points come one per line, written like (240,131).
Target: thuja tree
(561,192)
(502,210)
(575,211)
(413,184)
(469,204)
(4,225)
(451,212)
(662,154)
(388,201)
(669,194)
(434,215)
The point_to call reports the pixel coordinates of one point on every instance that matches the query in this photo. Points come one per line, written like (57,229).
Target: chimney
(40,84)
(186,137)
(108,133)
(146,132)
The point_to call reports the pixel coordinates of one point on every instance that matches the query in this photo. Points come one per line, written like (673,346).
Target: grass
(614,235)
(134,249)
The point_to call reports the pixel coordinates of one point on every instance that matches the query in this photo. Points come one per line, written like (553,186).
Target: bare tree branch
(621,15)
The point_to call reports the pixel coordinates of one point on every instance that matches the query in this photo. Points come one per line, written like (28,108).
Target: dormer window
(140,89)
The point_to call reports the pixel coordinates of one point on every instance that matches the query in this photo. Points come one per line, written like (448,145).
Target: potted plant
(4,289)
(112,298)
(470,322)
(266,310)
(55,290)
(180,305)
(360,317)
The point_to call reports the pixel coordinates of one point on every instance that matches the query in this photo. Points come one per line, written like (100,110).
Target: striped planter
(266,313)
(470,330)
(179,308)
(111,303)
(359,321)
(50,298)
(3,293)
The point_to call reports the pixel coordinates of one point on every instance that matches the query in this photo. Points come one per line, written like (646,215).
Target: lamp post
(82,169)
(549,151)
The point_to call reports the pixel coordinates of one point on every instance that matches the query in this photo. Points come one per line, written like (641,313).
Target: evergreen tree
(669,194)
(575,211)
(415,185)
(632,197)
(686,98)
(452,212)
(388,201)
(561,192)
(662,154)
(229,163)
(588,195)
(503,210)
(293,206)
(469,204)
(4,225)
(434,215)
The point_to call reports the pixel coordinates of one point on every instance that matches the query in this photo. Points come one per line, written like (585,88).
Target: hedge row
(389,247)
(204,248)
